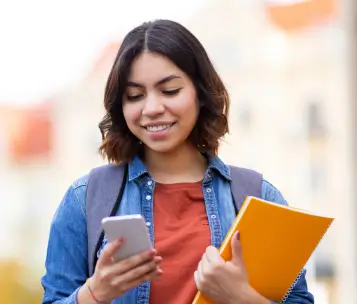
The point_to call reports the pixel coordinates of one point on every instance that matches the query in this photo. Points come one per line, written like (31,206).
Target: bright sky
(46,44)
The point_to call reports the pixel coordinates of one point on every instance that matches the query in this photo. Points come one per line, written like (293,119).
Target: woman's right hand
(113,279)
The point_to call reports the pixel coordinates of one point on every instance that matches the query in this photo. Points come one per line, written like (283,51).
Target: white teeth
(158,128)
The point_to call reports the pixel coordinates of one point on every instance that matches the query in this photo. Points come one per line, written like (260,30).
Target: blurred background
(289,66)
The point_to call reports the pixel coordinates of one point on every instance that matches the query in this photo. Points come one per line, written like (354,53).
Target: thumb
(237,254)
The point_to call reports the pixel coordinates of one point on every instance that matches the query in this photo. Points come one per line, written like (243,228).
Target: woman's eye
(134,97)
(171,92)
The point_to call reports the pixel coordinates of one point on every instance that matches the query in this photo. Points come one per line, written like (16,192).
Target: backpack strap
(245,182)
(104,192)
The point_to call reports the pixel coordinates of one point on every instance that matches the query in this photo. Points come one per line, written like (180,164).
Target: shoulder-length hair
(174,41)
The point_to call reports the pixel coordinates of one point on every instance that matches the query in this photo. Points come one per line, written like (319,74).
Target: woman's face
(160,104)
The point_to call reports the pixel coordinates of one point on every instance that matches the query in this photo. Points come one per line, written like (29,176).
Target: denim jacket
(66,262)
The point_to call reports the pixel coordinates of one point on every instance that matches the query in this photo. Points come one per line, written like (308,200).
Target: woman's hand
(113,279)
(226,282)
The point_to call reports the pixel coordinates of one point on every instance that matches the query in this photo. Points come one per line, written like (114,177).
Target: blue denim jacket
(66,262)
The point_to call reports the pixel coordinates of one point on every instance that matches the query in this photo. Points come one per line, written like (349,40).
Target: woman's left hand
(226,282)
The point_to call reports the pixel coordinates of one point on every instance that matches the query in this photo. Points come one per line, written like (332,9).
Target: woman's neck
(185,164)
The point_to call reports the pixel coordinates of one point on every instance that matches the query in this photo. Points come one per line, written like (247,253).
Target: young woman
(166,111)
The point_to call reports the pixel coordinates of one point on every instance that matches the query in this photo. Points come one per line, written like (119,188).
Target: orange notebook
(277,242)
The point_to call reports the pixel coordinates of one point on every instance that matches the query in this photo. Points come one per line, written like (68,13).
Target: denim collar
(137,168)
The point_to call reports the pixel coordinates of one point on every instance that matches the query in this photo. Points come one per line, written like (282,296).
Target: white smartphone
(132,228)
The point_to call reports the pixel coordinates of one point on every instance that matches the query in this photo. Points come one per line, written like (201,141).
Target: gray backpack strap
(245,182)
(104,191)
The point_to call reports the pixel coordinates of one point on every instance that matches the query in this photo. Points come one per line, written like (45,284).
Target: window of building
(317,177)
(315,120)
(245,117)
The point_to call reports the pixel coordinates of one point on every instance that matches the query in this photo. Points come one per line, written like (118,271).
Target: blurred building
(26,148)
(43,149)
(286,67)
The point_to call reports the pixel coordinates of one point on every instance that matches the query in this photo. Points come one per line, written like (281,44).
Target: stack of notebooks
(277,242)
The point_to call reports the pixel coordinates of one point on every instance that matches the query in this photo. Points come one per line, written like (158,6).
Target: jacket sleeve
(66,260)
(299,293)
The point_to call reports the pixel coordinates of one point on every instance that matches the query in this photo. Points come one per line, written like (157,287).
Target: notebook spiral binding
(292,287)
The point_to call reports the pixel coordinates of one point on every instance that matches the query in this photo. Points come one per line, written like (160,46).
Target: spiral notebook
(277,241)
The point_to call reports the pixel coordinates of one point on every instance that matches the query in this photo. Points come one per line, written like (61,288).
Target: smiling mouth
(158,128)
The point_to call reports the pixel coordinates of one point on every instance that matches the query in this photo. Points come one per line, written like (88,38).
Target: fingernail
(159,271)
(152,252)
(158,259)
(238,236)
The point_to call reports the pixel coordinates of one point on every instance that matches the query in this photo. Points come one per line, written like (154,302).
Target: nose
(153,106)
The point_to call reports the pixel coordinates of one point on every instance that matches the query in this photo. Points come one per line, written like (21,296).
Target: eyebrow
(160,82)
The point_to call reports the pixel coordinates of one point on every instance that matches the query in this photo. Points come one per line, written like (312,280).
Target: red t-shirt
(182,234)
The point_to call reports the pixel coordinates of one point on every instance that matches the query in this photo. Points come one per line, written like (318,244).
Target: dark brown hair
(174,41)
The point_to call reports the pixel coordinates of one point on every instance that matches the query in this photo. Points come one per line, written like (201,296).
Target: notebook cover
(277,241)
